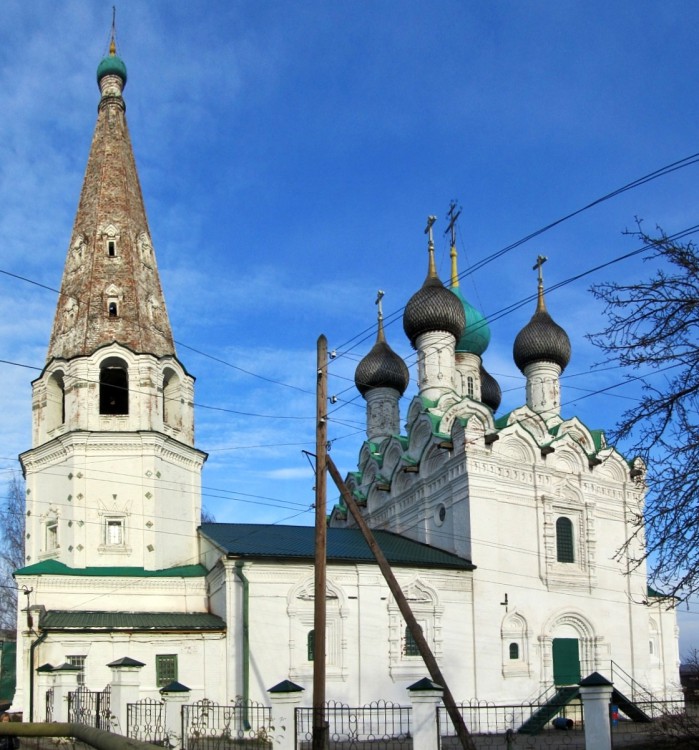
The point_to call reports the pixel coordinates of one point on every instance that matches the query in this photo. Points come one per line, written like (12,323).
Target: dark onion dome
(111,65)
(433,307)
(541,340)
(382,367)
(491,395)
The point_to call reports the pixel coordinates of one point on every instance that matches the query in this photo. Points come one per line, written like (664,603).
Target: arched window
(114,387)
(55,400)
(514,650)
(311,645)
(112,309)
(410,644)
(565,552)
(469,386)
(172,407)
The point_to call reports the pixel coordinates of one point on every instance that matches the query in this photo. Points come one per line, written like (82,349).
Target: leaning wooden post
(401,601)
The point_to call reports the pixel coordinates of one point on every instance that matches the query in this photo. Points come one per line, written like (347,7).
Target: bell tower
(113,477)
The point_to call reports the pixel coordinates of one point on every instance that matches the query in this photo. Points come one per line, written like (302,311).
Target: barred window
(410,644)
(564,540)
(165,669)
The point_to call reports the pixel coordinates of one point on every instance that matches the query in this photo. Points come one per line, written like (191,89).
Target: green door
(566,661)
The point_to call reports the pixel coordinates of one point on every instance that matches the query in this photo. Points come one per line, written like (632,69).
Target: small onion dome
(382,367)
(541,340)
(433,307)
(112,65)
(476,335)
(491,395)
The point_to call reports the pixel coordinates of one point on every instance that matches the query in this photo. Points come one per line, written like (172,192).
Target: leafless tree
(11,549)
(653,332)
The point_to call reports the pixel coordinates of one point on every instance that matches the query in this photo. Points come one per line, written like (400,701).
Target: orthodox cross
(428,229)
(379,297)
(540,260)
(452,215)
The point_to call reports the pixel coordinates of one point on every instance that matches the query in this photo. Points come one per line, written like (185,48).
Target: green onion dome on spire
(433,307)
(476,335)
(382,367)
(112,64)
(542,339)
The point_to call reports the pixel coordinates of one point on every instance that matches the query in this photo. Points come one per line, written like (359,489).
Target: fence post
(175,695)
(285,697)
(44,679)
(425,697)
(65,680)
(596,694)
(126,683)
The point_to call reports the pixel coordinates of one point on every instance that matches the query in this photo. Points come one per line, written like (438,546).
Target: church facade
(503,531)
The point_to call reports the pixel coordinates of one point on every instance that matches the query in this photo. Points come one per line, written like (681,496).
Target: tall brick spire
(111,289)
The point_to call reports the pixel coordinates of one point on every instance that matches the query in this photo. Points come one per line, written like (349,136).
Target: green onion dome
(491,394)
(476,335)
(112,64)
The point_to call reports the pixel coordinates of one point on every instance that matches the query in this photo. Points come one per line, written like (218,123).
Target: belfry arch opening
(114,386)
(172,406)
(55,400)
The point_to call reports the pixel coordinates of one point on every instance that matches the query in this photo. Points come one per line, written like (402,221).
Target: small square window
(165,669)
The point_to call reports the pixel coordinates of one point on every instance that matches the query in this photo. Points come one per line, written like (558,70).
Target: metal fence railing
(381,724)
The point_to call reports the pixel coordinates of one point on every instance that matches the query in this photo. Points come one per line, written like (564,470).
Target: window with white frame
(78,661)
(114,532)
(51,541)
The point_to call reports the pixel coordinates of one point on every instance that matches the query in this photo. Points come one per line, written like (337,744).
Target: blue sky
(289,154)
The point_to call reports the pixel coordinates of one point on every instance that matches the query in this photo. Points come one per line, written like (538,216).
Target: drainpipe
(246,639)
(32,648)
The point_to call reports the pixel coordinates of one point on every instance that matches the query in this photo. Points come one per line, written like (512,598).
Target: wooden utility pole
(410,621)
(320,727)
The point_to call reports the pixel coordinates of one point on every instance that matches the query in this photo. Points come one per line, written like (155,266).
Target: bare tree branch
(11,549)
(653,330)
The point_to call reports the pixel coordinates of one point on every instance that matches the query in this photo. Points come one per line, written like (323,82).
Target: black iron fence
(91,708)
(145,721)
(215,726)
(380,724)
(49,705)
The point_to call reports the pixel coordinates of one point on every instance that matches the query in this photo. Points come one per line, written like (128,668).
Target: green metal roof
(143,621)
(55,568)
(344,545)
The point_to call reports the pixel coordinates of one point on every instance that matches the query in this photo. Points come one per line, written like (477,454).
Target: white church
(502,531)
